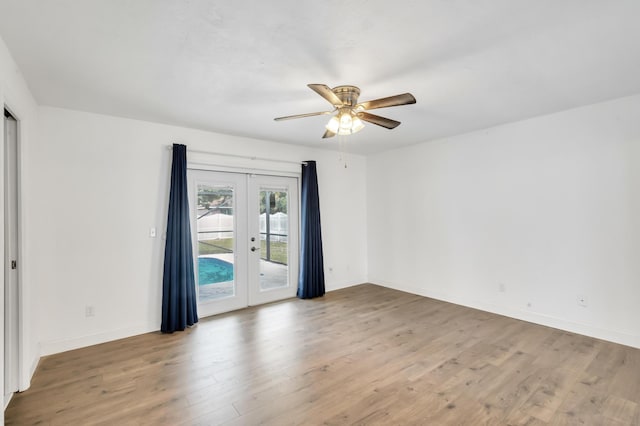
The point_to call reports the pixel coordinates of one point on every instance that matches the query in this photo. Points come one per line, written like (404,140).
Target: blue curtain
(311,280)
(179,308)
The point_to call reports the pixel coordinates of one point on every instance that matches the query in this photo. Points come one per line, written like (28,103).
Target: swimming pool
(212,270)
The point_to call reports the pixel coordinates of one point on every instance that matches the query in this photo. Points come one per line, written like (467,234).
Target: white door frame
(15,310)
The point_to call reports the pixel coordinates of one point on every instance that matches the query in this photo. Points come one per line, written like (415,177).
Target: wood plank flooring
(362,355)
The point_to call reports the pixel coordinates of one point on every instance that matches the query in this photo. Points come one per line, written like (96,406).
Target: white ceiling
(232,66)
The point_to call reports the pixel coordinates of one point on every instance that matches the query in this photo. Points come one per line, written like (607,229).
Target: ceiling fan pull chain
(342,157)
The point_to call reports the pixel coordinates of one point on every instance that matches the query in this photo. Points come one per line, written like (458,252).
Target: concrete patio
(272,275)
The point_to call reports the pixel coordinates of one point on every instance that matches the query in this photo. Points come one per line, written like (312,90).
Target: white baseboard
(533,317)
(7,400)
(27,374)
(56,346)
(340,285)
(34,365)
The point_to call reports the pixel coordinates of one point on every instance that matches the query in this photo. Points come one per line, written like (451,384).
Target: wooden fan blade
(380,121)
(310,114)
(326,92)
(404,99)
(328,134)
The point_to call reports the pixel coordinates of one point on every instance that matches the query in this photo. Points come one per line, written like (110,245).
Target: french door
(245,234)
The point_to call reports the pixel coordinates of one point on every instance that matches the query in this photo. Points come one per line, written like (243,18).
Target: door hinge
(14,264)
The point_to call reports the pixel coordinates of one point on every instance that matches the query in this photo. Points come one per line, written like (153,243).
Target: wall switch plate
(89,311)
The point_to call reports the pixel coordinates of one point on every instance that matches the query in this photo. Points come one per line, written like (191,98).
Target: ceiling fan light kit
(351,114)
(346,122)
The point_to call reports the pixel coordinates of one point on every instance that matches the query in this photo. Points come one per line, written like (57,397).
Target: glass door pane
(215,224)
(274,238)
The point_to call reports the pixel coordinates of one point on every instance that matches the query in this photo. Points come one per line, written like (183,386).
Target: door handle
(255,248)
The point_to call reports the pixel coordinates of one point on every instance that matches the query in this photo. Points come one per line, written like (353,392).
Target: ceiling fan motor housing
(347,94)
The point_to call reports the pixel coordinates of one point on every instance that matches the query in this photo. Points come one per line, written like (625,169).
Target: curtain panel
(311,278)
(179,306)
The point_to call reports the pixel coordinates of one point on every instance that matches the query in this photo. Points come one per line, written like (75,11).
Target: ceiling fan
(351,114)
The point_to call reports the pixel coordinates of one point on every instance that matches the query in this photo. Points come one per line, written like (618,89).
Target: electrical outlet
(502,288)
(89,311)
(582,300)
(152,233)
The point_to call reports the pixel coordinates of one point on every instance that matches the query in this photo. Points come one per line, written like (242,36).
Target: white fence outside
(213,226)
(278,224)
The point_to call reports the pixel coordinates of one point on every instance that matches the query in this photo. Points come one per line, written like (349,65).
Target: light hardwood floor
(362,355)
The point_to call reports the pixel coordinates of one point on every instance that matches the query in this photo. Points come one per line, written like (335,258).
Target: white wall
(548,207)
(100,182)
(15,95)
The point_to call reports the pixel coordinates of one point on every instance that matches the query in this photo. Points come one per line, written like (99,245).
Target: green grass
(215,246)
(278,250)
